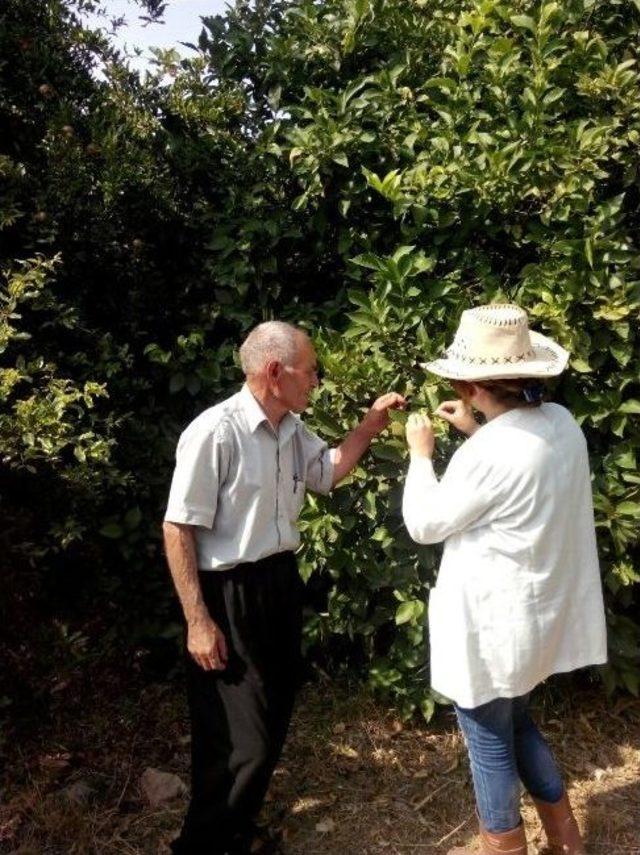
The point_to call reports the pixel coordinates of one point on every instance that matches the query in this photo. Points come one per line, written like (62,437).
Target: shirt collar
(256,415)
(252,409)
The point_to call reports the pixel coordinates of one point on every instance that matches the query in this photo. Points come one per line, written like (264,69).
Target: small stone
(159,787)
(78,793)
(325,826)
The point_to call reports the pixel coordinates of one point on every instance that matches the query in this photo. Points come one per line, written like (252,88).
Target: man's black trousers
(240,716)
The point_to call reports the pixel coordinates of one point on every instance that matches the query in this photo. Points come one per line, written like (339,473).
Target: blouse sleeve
(467,495)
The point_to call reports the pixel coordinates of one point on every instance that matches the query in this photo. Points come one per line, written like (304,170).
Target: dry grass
(389,789)
(353,778)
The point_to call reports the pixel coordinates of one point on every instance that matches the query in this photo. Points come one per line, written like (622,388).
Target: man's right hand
(207,645)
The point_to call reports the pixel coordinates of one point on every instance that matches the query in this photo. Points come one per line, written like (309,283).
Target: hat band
(490,360)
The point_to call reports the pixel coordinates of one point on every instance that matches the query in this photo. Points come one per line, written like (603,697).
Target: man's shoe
(511,842)
(260,841)
(560,826)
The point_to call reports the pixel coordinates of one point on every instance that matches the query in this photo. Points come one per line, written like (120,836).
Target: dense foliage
(365,167)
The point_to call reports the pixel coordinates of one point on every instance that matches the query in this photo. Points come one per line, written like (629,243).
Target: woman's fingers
(420,435)
(418,420)
(459,414)
(452,411)
(449,408)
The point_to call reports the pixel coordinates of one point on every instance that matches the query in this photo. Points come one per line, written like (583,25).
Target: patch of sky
(181,22)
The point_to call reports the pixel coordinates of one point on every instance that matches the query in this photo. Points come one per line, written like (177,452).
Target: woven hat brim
(549,360)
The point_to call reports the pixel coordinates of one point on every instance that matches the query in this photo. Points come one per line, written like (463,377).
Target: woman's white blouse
(518,595)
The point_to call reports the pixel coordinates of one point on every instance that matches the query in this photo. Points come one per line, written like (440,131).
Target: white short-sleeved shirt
(242,484)
(519,595)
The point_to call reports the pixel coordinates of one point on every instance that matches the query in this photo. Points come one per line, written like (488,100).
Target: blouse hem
(494,694)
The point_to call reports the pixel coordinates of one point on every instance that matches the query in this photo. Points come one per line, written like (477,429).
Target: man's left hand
(377,418)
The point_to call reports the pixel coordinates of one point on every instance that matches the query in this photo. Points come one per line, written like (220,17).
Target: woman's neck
(490,410)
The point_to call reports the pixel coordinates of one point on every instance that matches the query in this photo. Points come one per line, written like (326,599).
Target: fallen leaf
(59,760)
(348,751)
(325,826)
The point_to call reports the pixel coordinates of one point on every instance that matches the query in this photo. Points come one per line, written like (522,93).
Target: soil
(353,777)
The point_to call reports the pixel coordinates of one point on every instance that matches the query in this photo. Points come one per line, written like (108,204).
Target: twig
(419,805)
(455,831)
(129,771)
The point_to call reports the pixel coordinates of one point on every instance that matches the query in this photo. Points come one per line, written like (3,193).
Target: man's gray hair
(270,340)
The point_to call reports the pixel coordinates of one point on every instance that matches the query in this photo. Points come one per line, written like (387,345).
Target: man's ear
(274,370)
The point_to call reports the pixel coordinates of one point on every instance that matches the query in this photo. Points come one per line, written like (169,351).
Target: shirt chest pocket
(294,491)
(254,478)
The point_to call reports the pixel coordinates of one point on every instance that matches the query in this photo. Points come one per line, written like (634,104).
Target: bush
(366,167)
(445,156)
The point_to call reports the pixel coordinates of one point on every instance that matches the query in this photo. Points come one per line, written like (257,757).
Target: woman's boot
(560,826)
(511,842)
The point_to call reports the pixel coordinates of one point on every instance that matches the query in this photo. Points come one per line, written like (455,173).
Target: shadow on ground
(354,780)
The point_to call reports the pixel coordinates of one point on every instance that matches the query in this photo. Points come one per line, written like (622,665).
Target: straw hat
(494,343)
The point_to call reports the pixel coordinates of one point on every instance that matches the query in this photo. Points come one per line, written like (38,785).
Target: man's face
(297,380)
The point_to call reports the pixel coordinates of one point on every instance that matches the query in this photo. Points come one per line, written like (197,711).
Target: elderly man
(230,530)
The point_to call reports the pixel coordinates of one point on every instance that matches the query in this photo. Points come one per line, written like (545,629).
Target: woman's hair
(518,392)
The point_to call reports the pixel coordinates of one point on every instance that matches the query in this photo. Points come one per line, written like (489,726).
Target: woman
(518,595)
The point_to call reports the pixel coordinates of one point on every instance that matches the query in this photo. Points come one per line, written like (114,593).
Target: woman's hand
(460,415)
(420,438)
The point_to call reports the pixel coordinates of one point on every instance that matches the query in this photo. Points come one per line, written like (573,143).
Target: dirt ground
(353,779)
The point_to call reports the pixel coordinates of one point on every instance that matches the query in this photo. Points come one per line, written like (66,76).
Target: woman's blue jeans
(505,748)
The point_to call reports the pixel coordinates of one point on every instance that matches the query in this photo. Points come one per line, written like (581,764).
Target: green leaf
(368,260)
(428,704)
(359,298)
(176,383)
(405,612)
(628,509)
(133,518)
(274,95)
(327,424)
(588,251)
(399,416)
(401,252)
(112,530)
(631,679)
(524,21)
(386,451)
(631,407)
